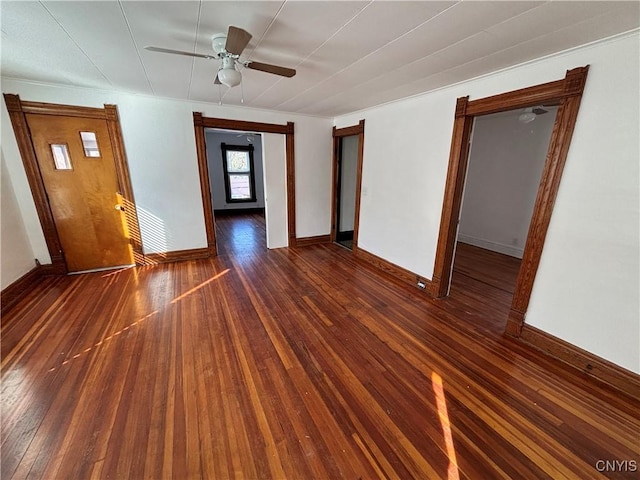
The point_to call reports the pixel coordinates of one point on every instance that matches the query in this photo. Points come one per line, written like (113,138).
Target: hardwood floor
(241,233)
(485,277)
(290,364)
(493,268)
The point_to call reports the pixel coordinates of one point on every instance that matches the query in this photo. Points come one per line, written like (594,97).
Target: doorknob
(120,207)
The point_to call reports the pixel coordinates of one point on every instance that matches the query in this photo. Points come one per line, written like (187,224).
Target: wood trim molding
(334,185)
(348,131)
(456,173)
(338,134)
(551,92)
(566,117)
(17,113)
(30,163)
(567,94)
(176,256)
(210,122)
(17,290)
(291,184)
(588,363)
(238,211)
(515,321)
(63,110)
(400,273)
(356,222)
(199,124)
(205,187)
(124,181)
(318,239)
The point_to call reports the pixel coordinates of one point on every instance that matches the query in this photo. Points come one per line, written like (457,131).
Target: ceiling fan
(228,47)
(530,114)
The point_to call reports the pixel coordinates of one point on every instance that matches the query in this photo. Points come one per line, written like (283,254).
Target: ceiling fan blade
(275,69)
(540,110)
(237,40)
(178,52)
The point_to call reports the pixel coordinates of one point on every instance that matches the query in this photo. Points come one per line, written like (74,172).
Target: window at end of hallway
(239,175)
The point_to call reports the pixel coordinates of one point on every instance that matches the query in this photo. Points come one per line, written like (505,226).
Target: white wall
(348,179)
(16,256)
(216,169)
(505,167)
(273,146)
(587,288)
(160,145)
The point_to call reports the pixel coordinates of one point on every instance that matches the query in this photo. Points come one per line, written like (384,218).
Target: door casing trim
(338,134)
(18,109)
(201,122)
(567,94)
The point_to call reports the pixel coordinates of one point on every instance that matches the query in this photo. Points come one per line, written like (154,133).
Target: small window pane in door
(240,187)
(61,157)
(90,144)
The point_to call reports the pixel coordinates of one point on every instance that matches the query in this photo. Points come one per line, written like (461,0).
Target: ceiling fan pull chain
(241,93)
(219,94)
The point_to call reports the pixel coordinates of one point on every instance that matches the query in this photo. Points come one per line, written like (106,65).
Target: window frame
(84,147)
(67,155)
(250,174)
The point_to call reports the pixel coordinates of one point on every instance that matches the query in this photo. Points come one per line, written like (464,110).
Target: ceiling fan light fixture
(229,77)
(527,116)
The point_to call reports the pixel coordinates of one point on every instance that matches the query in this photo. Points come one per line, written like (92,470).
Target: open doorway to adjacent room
(506,160)
(236,179)
(348,147)
(566,94)
(346,190)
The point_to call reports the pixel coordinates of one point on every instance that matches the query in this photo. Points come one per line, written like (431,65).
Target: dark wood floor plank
(293,363)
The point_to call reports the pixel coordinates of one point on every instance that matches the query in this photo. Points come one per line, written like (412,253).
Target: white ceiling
(348,55)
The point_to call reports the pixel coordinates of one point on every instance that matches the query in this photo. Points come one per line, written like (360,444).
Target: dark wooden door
(78,170)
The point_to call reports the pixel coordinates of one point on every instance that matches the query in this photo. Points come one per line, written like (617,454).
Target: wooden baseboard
(599,368)
(13,293)
(58,266)
(237,211)
(306,241)
(401,273)
(176,256)
(515,322)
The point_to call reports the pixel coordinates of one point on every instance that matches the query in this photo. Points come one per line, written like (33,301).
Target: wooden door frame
(18,109)
(338,134)
(567,94)
(201,122)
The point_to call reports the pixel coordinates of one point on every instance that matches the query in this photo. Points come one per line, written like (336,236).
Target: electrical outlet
(421,284)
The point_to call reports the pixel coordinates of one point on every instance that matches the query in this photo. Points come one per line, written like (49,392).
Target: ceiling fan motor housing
(218,42)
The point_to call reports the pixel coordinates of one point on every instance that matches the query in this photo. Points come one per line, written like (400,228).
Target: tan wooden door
(78,170)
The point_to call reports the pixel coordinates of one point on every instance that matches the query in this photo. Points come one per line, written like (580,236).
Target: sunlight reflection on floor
(441,403)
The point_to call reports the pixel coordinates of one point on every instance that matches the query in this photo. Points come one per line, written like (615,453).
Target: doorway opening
(279,177)
(567,95)
(236,178)
(506,159)
(347,166)
(348,148)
